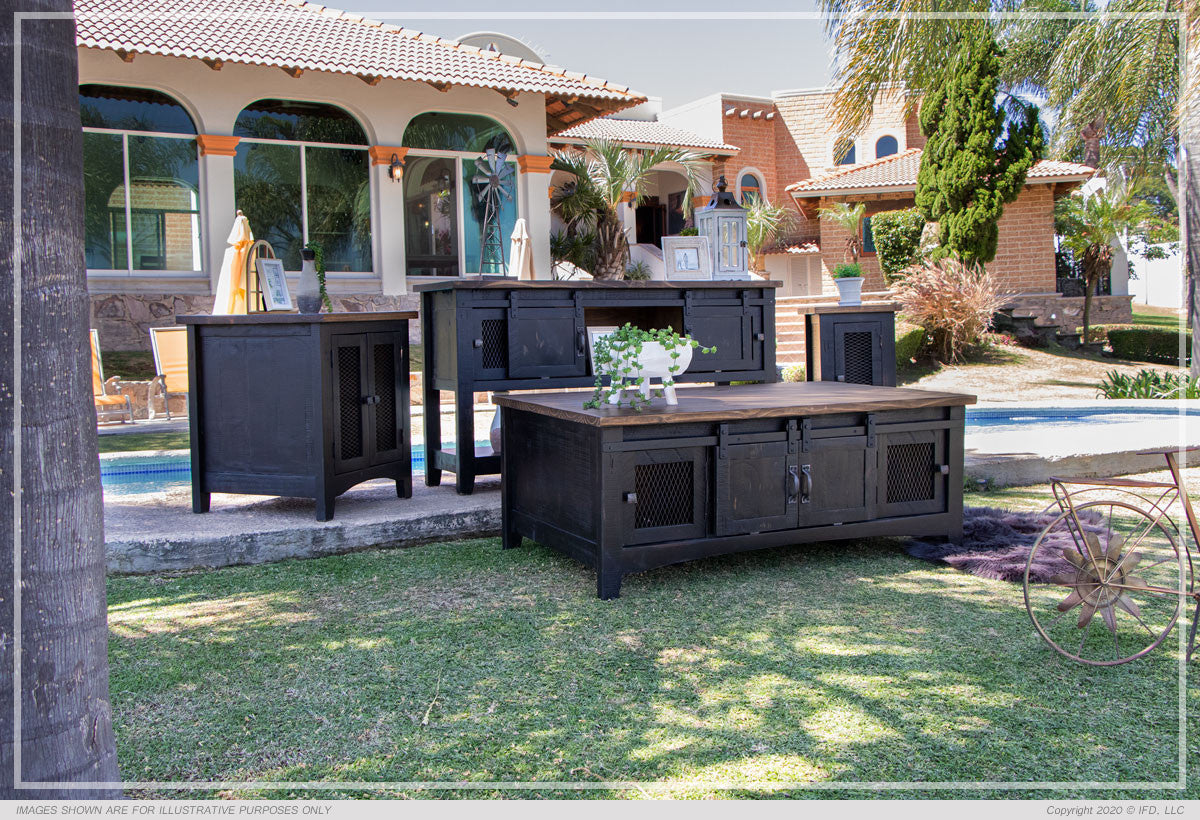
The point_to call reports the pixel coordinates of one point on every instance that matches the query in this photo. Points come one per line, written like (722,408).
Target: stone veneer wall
(124,320)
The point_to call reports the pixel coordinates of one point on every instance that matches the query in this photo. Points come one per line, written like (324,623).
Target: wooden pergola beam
(438,86)
(126,56)
(215,65)
(370,79)
(292,71)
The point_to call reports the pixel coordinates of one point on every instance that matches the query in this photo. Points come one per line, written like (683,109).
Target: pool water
(1011,420)
(130,475)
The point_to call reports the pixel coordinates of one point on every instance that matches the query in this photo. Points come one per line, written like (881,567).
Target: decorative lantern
(723,221)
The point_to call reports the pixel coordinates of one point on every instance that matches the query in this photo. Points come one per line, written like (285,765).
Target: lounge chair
(106,405)
(171,362)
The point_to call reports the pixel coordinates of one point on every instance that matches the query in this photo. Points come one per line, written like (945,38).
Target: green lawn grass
(460,661)
(129,442)
(133,365)
(1155,317)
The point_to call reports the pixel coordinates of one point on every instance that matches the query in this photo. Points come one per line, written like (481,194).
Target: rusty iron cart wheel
(1124,568)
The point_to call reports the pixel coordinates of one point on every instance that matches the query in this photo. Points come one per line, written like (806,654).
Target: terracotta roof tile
(641,132)
(298,34)
(899,172)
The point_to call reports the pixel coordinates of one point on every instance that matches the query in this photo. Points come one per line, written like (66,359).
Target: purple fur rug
(996,544)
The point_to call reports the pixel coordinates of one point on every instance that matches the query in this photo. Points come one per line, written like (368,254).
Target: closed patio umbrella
(520,251)
(231,284)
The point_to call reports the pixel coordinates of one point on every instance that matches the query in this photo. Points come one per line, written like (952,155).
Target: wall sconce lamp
(512,101)
(396,168)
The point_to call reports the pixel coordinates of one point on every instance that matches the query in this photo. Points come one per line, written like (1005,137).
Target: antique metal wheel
(1124,569)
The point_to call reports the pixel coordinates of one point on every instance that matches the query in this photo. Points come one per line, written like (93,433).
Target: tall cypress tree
(976,158)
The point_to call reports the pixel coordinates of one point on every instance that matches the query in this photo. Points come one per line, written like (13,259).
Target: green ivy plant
(319,264)
(617,356)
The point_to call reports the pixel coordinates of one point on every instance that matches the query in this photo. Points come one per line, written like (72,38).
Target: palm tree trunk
(1091,135)
(65,718)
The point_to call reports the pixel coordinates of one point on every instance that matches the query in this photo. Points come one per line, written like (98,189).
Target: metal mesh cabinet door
(385,416)
(487,336)
(912,473)
(663,494)
(351,435)
(858,352)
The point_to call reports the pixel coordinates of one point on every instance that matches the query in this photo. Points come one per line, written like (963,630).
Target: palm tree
(764,222)
(1112,82)
(605,176)
(849,218)
(1090,223)
(66,726)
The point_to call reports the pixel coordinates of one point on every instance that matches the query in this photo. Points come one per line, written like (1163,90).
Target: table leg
(200,501)
(433,429)
(608,584)
(325,507)
(464,442)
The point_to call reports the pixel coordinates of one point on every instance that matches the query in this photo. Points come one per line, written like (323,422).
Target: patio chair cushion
(111,401)
(171,358)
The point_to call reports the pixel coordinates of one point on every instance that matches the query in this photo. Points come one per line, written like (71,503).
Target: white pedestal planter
(655,363)
(849,290)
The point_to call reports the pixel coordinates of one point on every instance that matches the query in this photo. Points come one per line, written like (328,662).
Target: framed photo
(595,334)
(273,284)
(687,257)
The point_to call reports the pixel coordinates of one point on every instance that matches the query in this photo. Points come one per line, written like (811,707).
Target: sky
(678,59)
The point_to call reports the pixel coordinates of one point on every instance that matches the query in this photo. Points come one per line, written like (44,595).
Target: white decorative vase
(494,433)
(656,363)
(849,290)
(308,290)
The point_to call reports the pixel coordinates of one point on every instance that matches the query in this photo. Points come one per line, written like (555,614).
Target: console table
(855,344)
(729,469)
(298,405)
(497,334)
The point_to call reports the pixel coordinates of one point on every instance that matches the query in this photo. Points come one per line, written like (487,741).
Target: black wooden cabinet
(494,334)
(851,344)
(729,469)
(308,406)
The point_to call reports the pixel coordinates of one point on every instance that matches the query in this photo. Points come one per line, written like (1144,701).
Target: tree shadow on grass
(830,662)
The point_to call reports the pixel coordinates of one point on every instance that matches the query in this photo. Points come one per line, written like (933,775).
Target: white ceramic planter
(849,290)
(656,363)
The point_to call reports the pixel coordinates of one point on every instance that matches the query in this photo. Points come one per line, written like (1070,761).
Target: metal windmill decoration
(493,178)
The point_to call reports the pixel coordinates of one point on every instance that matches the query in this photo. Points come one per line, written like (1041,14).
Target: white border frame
(272,283)
(18,253)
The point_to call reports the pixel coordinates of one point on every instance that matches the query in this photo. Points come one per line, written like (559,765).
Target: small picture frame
(595,334)
(687,258)
(273,284)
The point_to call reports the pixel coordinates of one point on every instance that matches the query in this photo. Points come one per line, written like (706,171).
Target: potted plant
(630,354)
(849,280)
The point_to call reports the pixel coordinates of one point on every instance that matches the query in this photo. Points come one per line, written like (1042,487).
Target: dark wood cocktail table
(729,469)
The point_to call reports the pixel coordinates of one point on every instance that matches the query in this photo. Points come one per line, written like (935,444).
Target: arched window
(301,176)
(446,185)
(885,146)
(749,186)
(141,182)
(848,157)
(441,131)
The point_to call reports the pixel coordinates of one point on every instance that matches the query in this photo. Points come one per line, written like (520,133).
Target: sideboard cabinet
(729,469)
(295,405)
(494,334)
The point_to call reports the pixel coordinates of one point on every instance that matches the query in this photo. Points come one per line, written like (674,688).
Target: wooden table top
(508,283)
(747,401)
(297,318)
(865,307)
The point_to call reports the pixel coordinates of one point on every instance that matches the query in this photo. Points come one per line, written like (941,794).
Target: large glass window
(301,175)
(141,142)
(446,214)
(847,158)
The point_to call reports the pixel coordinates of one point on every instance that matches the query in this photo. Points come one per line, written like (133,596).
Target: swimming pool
(1001,419)
(130,475)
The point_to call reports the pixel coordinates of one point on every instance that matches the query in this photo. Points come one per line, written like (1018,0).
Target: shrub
(954,302)
(1149,344)
(637,271)
(909,341)
(794,373)
(1099,333)
(689,231)
(999,340)
(847,270)
(897,237)
(1149,384)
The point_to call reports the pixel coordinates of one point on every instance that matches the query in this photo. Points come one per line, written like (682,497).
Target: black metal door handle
(581,342)
(806,488)
(477,344)
(793,489)
(370,399)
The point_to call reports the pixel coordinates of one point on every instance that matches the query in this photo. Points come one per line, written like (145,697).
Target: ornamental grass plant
(953,301)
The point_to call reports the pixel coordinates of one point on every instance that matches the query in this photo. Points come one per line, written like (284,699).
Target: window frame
(129,271)
(881,136)
(301,145)
(459,158)
(758,177)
